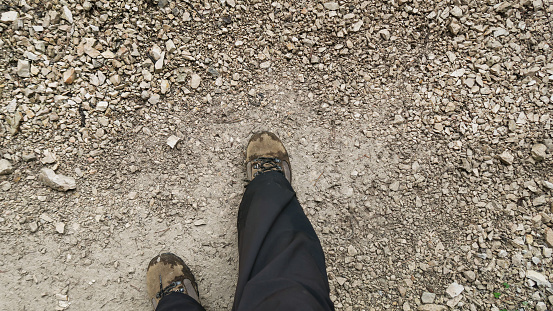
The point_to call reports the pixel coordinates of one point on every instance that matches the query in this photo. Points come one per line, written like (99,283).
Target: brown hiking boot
(167,273)
(265,152)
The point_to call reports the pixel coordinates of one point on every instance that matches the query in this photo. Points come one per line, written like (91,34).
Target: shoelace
(169,289)
(266,164)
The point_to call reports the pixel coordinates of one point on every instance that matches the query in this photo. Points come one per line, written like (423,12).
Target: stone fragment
(549,236)
(60,227)
(66,14)
(5,185)
(454,27)
(164,85)
(195,81)
(108,54)
(454,289)
(265,65)
(49,157)
(506,157)
(432,307)
(470,275)
(23,68)
(539,152)
(540,279)
(155,52)
(231,3)
(170,46)
(456,12)
(159,63)
(33,226)
(9,17)
(69,76)
(352,251)
(332,6)
(102,106)
(540,306)
(384,34)
(115,79)
(428,297)
(57,181)
(172,141)
(154,99)
(357,26)
(5,167)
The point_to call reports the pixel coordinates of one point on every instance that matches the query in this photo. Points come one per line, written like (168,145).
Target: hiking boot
(265,153)
(167,273)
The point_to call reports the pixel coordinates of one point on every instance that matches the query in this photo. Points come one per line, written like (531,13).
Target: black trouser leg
(282,265)
(178,302)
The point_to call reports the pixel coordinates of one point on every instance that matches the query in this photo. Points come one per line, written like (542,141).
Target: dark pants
(282,264)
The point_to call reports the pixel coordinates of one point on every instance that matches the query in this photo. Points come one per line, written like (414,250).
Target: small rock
(195,81)
(10,16)
(470,275)
(432,307)
(231,3)
(456,11)
(506,157)
(537,277)
(265,65)
(172,141)
(23,68)
(352,251)
(132,195)
(67,15)
(332,6)
(69,76)
(170,46)
(33,226)
(159,64)
(549,236)
(154,99)
(5,167)
(57,181)
(428,297)
(540,306)
(538,152)
(49,157)
(162,3)
(60,227)
(454,27)
(5,185)
(115,79)
(384,34)
(455,289)
(341,280)
(102,106)
(537,4)
(164,85)
(357,26)
(155,52)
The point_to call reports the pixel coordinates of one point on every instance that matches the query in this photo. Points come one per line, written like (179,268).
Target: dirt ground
(419,135)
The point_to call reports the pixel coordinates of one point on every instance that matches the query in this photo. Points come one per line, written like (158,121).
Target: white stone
(428,297)
(23,68)
(5,167)
(164,85)
(102,106)
(265,65)
(57,181)
(432,307)
(506,157)
(333,6)
(60,227)
(159,64)
(170,46)
(355,27)
(172,141)
(537,277)
(455,289)
(10,16)
(195,81)
(456,11)
(231,3)
(155,52)
(67,15)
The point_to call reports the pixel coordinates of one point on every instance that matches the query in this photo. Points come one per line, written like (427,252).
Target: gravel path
(419,132)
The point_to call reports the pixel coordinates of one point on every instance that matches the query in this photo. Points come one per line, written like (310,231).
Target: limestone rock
(57,181)
(5,167)
(538,152)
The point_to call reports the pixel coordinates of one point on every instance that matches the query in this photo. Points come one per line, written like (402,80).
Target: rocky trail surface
(419,132)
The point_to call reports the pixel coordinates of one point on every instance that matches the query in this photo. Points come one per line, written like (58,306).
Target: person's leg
(281,263)
(171,285)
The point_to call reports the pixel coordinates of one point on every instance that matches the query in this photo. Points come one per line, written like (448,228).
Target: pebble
(470,275)
(170,46)
(155,52)
(69,76)
(67,15)
(57,181)
(172,141)
(265,65)
(154,99)
(195,81)
(23,68)
(428,297)
(549,236)
(506,157)
(164,86)
(5,167)
(384,34)
(432,307)
(159,63)
(5,185)
(537,277)
(102,106)
(9,17)
(455,289)
(115,79)
(454,27)
(539,152)
(33,226)
(540,306)
(332,6)
(456,11)
(60,227)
